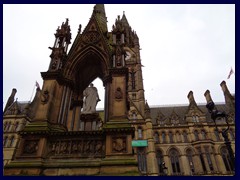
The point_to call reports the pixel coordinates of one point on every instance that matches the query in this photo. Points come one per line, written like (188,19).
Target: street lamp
(215,115)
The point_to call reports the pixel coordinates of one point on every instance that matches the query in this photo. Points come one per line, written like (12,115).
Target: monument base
(91,121)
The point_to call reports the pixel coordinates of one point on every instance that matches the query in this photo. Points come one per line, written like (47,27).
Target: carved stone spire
(99,12)
(124,20)
(10,99)
(59,49)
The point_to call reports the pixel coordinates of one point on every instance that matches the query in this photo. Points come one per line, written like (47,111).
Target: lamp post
(215,115)
(165,169)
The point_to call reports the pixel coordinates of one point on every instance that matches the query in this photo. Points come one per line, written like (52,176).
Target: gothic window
(195,118)
(9,126)
(209,160)
(204,137)
(174,158)
(4,126)
(217,135)
(202,160)
(142,161)
(5,141)
(11,141)
(134,115)
(170,134)
(16,126)
(156,137)
(140,136)
(190,161)
(163,137)
(160,161)
(226,159)
(185,136)
(196,135)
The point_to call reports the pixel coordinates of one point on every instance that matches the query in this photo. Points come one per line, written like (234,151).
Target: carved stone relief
(119,144)
(81,148)
(30,147)
(118,94)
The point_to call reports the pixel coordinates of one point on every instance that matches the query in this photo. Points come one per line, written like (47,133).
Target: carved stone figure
(90,100)
(118,93)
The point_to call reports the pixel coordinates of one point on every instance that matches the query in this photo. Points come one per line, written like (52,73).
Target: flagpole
(32,92)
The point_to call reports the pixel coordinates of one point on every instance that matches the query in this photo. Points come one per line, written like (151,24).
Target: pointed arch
(87,66)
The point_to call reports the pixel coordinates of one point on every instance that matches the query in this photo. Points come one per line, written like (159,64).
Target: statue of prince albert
(90,100)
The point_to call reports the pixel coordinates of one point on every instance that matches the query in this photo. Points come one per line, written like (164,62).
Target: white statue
(90,100)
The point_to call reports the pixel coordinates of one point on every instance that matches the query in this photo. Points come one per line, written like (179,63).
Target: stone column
(185,168)
(152,166)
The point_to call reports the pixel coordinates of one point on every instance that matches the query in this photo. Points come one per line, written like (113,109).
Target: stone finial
(229,99)
(147,111)
(224,87)
(190,97)
(10,99)
(208,96)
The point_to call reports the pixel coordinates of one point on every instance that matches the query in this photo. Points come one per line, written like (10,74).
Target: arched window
(217,135)
(202,160)
(5,141)
(134,116)
(140,136)
(195,118)
(170,134)
(160,161)
(156,137)
(226,159)
(163,137)
(11,141)
(209,160)
(4,126)
(174,158)
(196,135)
(16,126)
(8,126)
(190,161)
(185,136)
(142,161)
(204,136)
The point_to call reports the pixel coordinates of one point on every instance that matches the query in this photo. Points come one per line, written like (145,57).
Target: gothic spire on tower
(99,12)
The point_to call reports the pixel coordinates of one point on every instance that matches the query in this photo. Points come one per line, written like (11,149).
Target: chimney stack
(208,96)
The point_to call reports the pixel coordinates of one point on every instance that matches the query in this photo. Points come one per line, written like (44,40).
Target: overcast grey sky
(184,47)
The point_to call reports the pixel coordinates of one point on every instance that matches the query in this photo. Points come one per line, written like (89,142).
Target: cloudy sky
(184,47)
